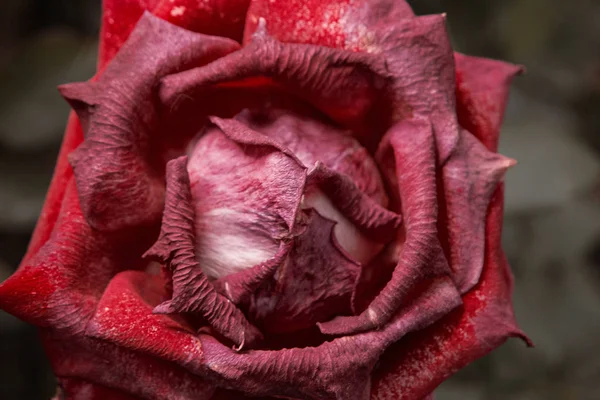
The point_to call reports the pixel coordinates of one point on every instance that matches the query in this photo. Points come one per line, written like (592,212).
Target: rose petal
(346,184)
(373,220)
(469,178)
(482,87)
(246,190)
(118,20)
(313,284)
(324,23)
(112,366)
(413,368)
(118,168)
(239,286)
(339,369)
(52,288)
(192,292)
(313,139)
(212,17)
(348,87)
(421,256)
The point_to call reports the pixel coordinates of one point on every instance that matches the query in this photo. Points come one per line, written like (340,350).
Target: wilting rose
(312,214)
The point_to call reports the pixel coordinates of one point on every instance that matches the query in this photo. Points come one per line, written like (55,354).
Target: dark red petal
(212,17)
(336,370)
(346,86)
(118,168)
(372,219)
(314,283)
(420,257)
(332,23)
(482,87)
(469,178)
(414,367)
(192,292)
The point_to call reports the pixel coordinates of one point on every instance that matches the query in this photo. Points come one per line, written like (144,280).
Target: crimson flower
(288,199)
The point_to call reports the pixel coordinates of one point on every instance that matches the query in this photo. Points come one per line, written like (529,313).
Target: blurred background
(552,227)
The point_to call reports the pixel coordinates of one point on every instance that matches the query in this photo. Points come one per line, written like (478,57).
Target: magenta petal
(313,284)
(192,292)
(421,257)
(118,171)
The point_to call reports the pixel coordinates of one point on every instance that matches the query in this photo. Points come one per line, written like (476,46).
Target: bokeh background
(552,227)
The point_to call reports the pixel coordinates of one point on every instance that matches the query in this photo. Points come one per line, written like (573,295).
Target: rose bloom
(275,199)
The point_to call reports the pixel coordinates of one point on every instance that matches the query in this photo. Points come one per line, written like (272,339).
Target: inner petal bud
(245,197)
(312,141)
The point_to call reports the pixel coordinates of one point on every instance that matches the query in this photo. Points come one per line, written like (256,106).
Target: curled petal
(415,366)
(239,286)
(372,219)
(192,292)
(314,283)
(336,370)
(348,87)
(482,87)
(421,257)
(469,178)
(120,166)
(246,192)
(313,139)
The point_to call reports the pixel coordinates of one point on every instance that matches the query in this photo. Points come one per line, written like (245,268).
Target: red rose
(314,214)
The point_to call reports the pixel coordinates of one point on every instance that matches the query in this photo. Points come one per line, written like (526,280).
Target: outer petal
(112,38)
(118,20)
(192,292)
(412,147)
(468,180)
(77,389)
(119,167)
(414,367)
(348,87)
(482,87)
(326,23)
(51,288)
(212,17)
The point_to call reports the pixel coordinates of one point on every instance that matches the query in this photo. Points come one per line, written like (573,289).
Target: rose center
(247,196)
